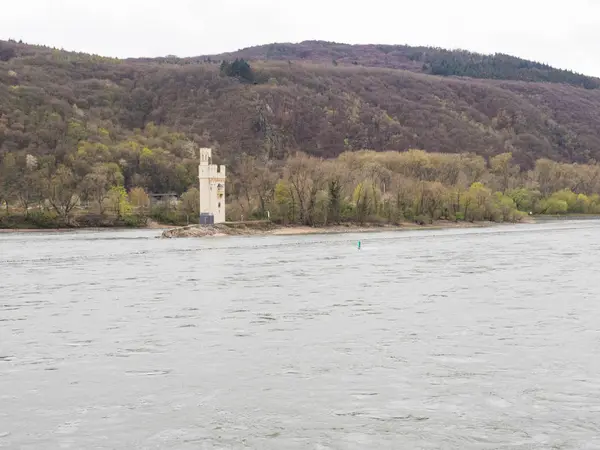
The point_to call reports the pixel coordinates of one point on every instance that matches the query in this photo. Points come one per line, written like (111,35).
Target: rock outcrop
(224,229)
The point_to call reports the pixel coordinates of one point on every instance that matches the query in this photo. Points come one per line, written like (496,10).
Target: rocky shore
(224,229)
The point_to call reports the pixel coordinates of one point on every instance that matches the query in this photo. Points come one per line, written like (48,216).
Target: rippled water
(455,339)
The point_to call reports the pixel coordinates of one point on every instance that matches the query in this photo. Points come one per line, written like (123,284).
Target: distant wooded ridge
(318,97)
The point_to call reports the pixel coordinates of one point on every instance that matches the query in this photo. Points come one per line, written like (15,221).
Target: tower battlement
(205,156)
(215,171)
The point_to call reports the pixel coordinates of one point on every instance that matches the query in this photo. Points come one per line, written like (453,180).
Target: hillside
(84,139)
(52,102)
(433,61)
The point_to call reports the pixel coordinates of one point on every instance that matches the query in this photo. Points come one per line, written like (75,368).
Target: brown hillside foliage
(435,61)
(60,105)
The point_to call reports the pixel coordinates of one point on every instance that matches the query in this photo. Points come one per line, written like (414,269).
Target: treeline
(101,186)
(431,60)
(498,67)
(96,180)
(417,186)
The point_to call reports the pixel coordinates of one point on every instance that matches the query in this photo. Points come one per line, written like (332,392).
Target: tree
(505,206)
(475,202)
(524,199)
(62,191)
(7,52)
(190,203)
(97,184)
(566,195)
(418,165)
(548,176)
(403,192)
(434,199)
(117,198)
(139,199)
(244,173)
(583,204)
(502,166)
(363,201)
(8,176)
(554,206)
(334,207)
(255,180)
(263,185)
(284,200)
(306,179)
(29,187)
(238,69)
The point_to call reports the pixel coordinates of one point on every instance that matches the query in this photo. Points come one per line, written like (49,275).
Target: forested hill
(82,109)
(434,61)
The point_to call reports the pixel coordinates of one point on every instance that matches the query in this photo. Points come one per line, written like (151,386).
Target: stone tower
(212,187)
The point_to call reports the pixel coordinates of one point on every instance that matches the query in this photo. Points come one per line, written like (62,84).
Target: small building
(169,199)
(212,189)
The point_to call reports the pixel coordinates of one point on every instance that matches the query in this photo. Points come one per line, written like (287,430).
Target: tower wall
(212,180)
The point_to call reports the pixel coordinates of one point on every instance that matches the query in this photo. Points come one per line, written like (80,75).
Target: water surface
(454,339)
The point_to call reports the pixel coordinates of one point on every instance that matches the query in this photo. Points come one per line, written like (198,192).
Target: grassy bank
(49,221)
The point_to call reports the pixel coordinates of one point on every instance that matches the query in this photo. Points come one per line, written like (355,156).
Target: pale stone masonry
(212,186)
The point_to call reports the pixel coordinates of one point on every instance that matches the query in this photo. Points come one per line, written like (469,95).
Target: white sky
(564,34)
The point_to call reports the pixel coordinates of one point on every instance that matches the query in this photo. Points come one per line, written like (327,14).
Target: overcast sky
(564,34)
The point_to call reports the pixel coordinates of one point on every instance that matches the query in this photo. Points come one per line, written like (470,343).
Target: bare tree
(62,192)
(306,177)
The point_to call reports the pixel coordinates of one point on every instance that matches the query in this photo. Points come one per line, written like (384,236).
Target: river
(429,339)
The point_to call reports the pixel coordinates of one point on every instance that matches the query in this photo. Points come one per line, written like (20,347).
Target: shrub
(135,221)
(423,220)
(44,219)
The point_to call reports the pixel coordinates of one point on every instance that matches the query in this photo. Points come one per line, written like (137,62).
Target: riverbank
(151,225)
(270,229)
(441,224)
(252,229)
